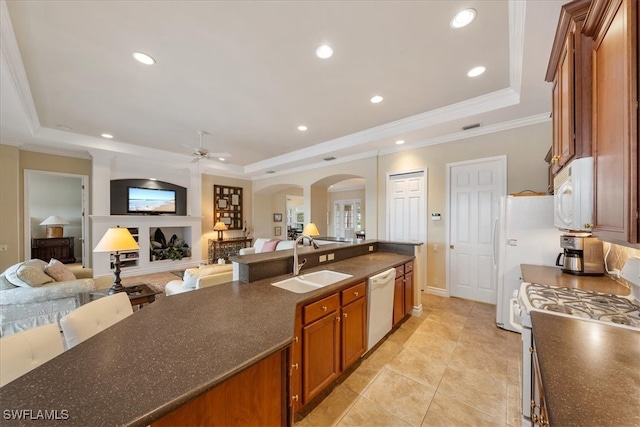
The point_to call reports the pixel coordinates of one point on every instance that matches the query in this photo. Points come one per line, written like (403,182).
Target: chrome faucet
(297,266)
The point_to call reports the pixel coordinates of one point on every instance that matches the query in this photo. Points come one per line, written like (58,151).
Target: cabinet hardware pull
(338,319)
(356,293)
(296,339)
(324,308)
(294,397)
(345,314)
(294,366)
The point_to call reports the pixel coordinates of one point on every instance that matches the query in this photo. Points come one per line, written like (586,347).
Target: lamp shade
(54,220)
(310,230)
(116,239)
(220,226)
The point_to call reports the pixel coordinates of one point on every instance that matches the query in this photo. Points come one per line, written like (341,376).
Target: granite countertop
(553,276)
(590,371)
(173,350)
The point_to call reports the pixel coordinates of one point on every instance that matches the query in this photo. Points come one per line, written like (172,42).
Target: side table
(139,295)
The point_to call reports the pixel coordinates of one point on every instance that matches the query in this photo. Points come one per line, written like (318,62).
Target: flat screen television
(151,201)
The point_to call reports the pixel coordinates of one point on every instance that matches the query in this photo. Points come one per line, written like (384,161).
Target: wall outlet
(435,247)
(323,258)
(370,248)
(3,248)
(330,257)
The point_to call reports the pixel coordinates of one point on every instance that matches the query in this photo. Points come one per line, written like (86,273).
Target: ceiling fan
(201,153)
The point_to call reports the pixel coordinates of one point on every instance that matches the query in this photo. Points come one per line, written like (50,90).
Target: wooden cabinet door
(398,300)
(564,145)
(408,293)
(295,370)
(354,331)
(321,354)
(615,127)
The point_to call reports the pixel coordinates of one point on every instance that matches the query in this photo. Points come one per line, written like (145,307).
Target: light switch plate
(330,257)
(323,258)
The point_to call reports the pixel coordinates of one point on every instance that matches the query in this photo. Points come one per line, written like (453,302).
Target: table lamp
(114,241)
(310,230)
(54,226)
(220,227)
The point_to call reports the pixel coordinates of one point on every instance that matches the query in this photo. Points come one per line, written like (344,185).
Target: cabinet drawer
(321,308)
(353,293)
(408,267)
(50,243)
(400,270)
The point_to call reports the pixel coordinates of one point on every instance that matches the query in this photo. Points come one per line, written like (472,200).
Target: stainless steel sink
(311,281)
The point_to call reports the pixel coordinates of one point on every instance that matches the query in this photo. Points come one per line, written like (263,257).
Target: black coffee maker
(582,256)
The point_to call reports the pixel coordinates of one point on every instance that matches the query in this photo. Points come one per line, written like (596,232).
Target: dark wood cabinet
(321,345)
(333,332)
(403,292)
(569,70)
(60,248)
(613,24)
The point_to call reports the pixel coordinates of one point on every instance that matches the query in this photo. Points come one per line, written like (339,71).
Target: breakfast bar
(173,351)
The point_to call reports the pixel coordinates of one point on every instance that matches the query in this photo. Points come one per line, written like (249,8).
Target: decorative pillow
(59,271)
(28,274)
(270,245)
(5,283)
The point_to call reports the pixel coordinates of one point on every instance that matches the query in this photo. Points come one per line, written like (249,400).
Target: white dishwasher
(380,306)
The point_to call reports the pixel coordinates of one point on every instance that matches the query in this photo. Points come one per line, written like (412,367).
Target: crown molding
(517,13)
(13,59)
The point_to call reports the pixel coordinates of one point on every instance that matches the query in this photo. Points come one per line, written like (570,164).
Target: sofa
(262,245)
(200,277)
(35,293)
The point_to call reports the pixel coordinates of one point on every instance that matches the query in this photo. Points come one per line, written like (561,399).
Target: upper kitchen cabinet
(613,25)
(569,70)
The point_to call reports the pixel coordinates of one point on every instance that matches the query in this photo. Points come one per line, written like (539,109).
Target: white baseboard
(417,310)
(436,291)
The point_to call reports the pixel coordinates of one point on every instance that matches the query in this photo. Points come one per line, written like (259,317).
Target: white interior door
(475,189)
(406,199)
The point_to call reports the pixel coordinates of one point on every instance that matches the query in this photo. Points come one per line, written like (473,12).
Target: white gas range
(616,310)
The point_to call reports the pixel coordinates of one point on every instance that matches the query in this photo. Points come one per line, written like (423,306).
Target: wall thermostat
(435,217)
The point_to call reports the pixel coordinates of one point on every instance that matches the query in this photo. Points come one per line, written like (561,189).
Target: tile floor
(450,367)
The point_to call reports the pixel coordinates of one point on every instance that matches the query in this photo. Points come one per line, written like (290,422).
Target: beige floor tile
(446,317)
(445,411)
(366,413)
(384,354)
(476,389)
(451,331)
(481,362)
(514,406)
(403,397)
(412,323)
(400,336)
(419,367)
(431,345)
(362,377)
(333,408)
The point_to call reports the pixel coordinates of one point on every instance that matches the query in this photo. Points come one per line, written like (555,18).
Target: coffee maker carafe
(581,256)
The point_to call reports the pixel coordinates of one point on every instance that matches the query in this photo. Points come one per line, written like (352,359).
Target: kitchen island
(173,351)
(590,372)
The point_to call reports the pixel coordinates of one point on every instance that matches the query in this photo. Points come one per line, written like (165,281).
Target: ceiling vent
(328,159)
(270,172)
(475,125)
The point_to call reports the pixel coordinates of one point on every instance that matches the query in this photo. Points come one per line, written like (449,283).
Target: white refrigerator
(526,235)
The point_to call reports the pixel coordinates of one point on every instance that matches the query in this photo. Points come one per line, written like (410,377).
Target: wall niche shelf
(227,206)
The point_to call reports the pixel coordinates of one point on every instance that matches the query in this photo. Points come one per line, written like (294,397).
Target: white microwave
(573,196)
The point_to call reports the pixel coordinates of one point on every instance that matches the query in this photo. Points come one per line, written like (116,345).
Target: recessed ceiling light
(222,159)
(463,18)
(144,58)
(475,72)
(153,179)
(324,51)
(399,142)
(302,128)
(377,99)
(106,135)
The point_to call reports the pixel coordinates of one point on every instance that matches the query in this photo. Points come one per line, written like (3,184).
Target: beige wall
(208,181)
(10,212)
(525,149)
(13,163)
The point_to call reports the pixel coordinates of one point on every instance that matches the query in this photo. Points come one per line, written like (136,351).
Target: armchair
(201,277)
